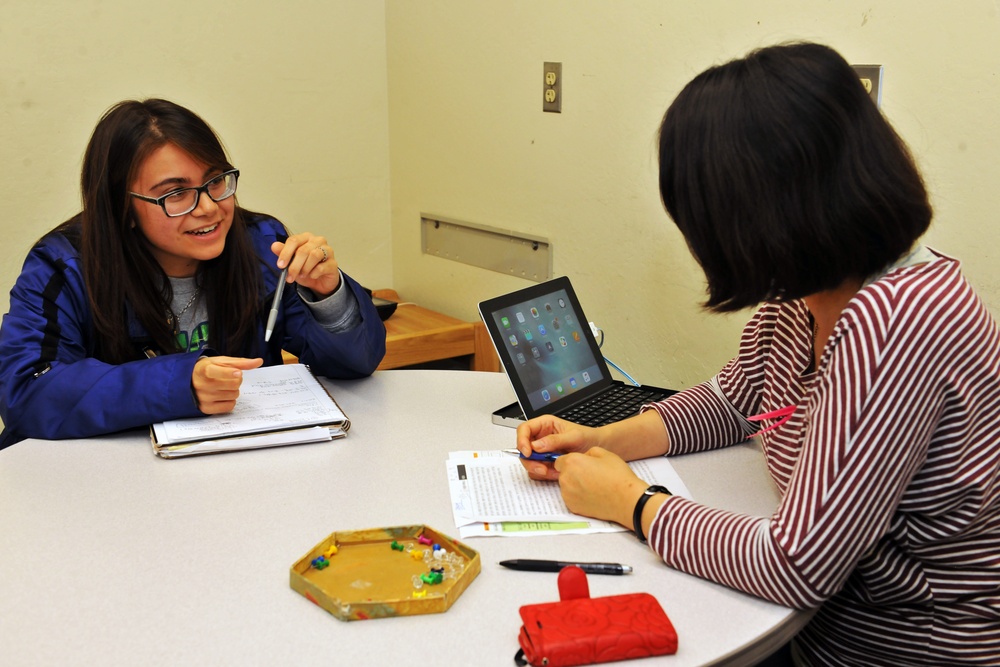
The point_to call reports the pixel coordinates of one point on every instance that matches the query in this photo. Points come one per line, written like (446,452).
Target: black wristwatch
(640,504)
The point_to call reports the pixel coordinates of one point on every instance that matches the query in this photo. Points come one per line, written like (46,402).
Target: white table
(110,555)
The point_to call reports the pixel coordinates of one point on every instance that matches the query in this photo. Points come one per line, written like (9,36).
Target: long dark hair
(785,179)
(120,273)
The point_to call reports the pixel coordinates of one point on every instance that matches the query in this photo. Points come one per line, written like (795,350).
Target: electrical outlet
(552,87)
(871,79)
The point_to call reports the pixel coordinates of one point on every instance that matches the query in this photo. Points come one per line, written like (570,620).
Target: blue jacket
(52,387)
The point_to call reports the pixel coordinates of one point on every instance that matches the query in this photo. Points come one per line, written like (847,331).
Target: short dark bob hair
(785,179)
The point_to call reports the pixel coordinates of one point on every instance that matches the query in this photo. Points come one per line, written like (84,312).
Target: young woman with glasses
(149,303)
(872,363)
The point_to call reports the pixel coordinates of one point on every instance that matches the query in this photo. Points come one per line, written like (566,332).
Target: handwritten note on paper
(271,398)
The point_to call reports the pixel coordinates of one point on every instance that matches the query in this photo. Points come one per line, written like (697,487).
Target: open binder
(278,406)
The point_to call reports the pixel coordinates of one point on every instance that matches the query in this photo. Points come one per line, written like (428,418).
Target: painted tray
(384,572)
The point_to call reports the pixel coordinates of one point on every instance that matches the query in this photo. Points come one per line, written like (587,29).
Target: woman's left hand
(599,484)
(310,262)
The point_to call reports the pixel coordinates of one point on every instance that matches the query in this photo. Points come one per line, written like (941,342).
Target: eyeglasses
(183,201)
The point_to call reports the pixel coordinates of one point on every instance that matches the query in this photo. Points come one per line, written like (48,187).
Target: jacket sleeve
(350,354)
(51,387)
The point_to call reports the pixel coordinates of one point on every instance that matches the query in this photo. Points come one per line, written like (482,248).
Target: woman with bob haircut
(150,303)
(870,374)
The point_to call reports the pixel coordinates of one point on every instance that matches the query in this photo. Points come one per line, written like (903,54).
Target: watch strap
(641,504)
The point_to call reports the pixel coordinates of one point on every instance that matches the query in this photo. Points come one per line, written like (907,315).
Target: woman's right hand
(551,434)
(216,382)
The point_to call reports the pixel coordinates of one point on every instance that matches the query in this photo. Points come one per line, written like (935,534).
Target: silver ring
(325,256)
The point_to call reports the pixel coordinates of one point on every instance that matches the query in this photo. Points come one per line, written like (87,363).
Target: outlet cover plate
(871,77)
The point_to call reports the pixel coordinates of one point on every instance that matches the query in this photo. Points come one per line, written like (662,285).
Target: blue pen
(535,456)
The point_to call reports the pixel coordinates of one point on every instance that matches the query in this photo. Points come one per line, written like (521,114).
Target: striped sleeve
(888,468)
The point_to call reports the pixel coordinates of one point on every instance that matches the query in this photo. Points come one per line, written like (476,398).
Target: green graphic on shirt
(194,342)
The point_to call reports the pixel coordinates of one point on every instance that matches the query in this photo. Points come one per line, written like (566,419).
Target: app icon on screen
(572,382)
(527,334)
(548,346)
(520,357)
(535,353)
(534,312)
(559,387)
(545,395)
(513,340)
(576,336)
(505,322)
(541,329)
(548,307)
(562,341)
(586,376)
(520,317)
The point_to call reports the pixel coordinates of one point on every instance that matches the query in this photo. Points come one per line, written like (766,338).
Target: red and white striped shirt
(889,470)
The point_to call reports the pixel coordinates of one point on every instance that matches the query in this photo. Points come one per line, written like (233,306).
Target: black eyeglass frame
(203,188)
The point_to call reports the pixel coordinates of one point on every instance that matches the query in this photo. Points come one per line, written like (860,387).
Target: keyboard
(617,403)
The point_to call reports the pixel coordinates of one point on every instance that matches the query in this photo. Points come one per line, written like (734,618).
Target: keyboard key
(617,403)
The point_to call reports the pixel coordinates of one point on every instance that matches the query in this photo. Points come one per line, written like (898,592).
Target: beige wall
(310,96)
(469,141)
(297,91)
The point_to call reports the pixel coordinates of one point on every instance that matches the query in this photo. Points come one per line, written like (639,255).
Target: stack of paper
(278,405)
(491,494)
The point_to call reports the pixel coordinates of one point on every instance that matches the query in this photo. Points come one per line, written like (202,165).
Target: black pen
(530,565)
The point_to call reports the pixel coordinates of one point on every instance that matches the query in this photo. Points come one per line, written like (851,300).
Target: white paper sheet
(271,398)
(492,494)
(300,436)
